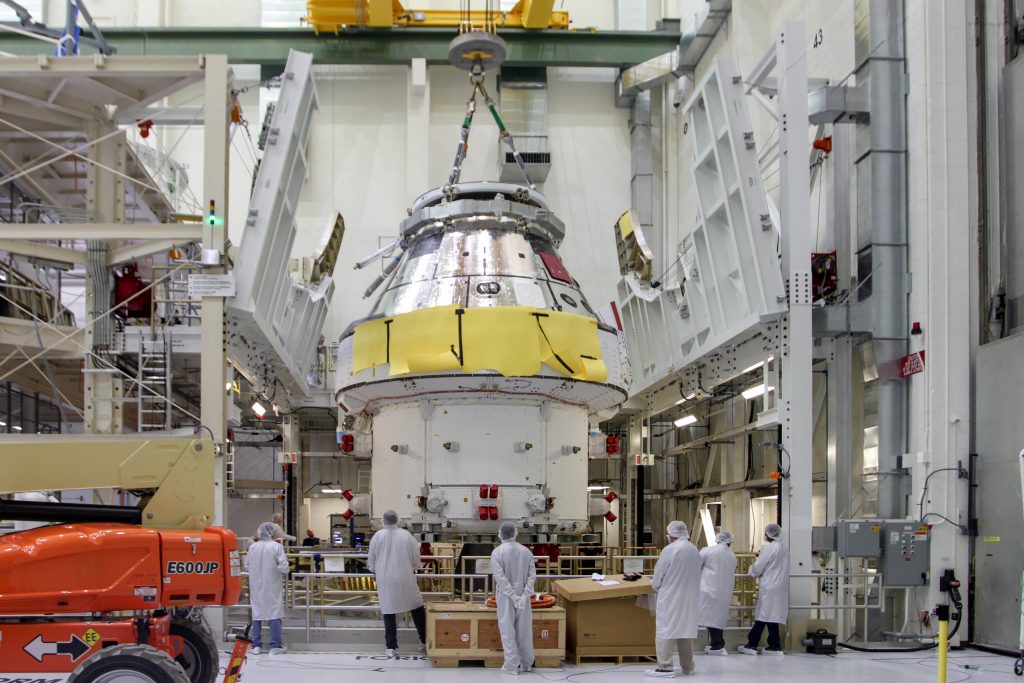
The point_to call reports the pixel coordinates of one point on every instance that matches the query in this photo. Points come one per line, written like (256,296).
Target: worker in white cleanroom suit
(394,559)
(717,579)
(772,566)
(677,583)
(266,564)
(514,576)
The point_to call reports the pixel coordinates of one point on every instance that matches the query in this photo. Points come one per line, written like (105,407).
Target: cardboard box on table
(606,621)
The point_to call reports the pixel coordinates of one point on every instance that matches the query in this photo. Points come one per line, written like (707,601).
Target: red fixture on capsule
(483,512)
(611,496)
(347,495)
(484,490)
(494,490)
(494,513)
(610,516)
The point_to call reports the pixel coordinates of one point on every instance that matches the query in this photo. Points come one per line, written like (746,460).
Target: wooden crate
(460,632)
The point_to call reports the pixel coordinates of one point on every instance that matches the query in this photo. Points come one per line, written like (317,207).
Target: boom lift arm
(174,476)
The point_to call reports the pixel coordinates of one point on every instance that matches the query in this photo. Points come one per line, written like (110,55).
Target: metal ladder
(153,381)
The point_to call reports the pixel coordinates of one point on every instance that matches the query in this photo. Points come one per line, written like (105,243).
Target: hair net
(390,518)
(678,530)
(773,531)
(724,537)
(507,531)
(266,531)
(278,518)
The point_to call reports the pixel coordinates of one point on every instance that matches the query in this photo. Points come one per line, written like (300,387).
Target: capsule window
(488,288)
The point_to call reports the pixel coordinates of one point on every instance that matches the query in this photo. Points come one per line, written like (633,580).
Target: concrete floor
(795,668)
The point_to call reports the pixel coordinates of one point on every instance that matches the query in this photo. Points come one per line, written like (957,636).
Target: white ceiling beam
(101,231)
(43,251)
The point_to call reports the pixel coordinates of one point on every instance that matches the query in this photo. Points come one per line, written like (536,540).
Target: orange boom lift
(115,591)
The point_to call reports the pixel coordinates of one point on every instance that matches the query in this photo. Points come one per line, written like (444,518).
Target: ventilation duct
(523,98)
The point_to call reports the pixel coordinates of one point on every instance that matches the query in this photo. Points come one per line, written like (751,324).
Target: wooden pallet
(489,662)
(608,659)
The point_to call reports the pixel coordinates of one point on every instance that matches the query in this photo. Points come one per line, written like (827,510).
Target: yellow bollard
(942,611)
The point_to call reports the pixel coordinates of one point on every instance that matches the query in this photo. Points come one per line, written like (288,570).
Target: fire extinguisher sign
(912,364)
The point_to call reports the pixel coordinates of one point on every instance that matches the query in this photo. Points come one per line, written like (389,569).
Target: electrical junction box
(907,549)
(859,537)
(823,539)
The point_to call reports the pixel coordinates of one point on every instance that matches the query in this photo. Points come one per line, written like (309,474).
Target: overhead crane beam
(269,46)
(330,16)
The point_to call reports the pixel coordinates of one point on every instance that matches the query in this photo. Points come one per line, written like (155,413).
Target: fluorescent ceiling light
(767,497)
(686,420)
(598,488)
(259,410)
(328,490)
(16,428)
(688,397)
(754,391)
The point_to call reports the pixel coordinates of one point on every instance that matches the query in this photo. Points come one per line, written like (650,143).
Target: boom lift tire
(200,658)
(140,663)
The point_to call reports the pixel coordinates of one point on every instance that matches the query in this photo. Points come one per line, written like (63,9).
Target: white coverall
(717,580)
(514,576)
(394,558)
(677,583)
(266,564)
(772,566)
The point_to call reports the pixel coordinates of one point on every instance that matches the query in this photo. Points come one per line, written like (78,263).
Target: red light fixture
(494,513)
(347,514)
(483,512)
(347,494)
(494,490)
(484,491)
(610,516)
(611,496)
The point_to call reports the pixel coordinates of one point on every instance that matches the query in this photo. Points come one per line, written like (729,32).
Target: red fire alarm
(915,328)
(824,144)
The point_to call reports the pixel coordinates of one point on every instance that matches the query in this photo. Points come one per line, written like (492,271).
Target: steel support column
(213,363)
(943,188)
(795,400)
(103,387)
